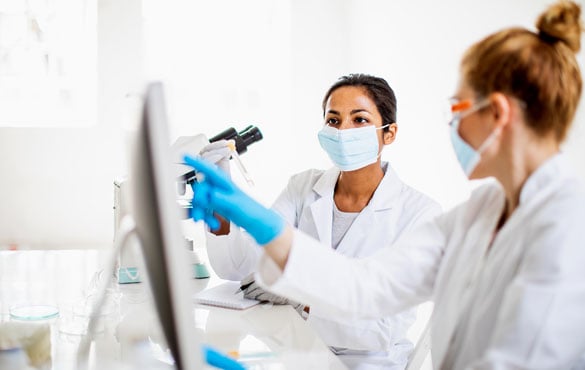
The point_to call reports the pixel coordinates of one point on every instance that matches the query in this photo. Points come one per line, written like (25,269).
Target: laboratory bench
(62,283)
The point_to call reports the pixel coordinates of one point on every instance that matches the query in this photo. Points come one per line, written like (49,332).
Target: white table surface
(266,337)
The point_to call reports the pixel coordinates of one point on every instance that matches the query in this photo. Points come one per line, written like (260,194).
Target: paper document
(223,296)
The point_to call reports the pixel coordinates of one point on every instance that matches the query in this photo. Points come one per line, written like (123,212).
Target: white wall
(232,63)
(57,183)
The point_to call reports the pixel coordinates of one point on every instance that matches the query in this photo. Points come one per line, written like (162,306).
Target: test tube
(236,158)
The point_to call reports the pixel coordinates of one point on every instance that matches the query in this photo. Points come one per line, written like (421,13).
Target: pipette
(236,157)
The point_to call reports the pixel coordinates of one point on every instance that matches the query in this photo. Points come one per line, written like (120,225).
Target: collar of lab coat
(384,197)
(554,169)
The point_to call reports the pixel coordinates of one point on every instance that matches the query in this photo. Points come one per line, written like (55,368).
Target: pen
(244,287)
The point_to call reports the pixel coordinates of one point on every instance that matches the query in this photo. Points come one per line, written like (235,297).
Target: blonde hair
(539,69)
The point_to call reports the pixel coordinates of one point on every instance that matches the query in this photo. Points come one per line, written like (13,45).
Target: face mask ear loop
(382,148)
(489,140)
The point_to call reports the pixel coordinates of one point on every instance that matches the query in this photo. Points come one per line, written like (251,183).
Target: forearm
(392,280)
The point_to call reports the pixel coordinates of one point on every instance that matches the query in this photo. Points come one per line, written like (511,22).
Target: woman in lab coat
(506,268)
(356,208)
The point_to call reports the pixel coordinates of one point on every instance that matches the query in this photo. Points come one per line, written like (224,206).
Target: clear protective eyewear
(458,109)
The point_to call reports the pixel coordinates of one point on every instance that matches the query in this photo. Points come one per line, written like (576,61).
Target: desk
(273,337)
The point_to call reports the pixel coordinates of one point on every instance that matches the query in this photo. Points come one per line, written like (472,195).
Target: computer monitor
(157,222)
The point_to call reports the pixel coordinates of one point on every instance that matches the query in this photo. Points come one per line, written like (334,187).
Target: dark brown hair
(377,89)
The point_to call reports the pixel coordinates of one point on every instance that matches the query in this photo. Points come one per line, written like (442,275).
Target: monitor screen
(156,215)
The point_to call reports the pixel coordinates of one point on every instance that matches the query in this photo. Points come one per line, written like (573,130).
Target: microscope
(184,175)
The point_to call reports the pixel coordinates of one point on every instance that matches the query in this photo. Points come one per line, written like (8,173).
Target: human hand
(216,193)
(219,153)
(254,291)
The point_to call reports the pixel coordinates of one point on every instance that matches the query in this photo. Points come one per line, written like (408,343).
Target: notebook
(223,296)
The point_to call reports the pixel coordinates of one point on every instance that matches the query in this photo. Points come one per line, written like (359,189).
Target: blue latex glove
(217,193)
(219,360)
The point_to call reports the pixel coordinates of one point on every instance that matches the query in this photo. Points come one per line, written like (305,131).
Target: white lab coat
(517,305)
(307,203)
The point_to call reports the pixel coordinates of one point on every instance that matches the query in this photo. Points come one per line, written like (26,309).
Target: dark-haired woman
(355,208)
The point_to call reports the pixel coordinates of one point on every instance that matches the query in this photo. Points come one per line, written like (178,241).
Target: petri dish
(33,312)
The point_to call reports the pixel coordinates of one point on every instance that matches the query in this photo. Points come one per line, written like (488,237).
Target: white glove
(253,291)
(219,153)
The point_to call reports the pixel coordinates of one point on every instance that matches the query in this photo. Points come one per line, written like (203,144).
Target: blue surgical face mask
(352,148)
(468,157)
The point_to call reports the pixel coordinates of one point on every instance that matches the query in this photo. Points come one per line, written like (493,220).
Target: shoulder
(554,232)
(415,198)
(557,190)
(311,175)
(414,205)
(487,189)
(411,199)
(568,193)
(486,195)
(320,181)
(305,185)
(560,206)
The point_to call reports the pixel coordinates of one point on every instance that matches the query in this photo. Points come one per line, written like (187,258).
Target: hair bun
(562,22)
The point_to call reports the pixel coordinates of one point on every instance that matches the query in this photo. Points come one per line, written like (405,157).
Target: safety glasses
(462,108)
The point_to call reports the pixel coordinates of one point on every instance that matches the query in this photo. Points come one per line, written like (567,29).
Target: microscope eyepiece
(251,134)
(247,136)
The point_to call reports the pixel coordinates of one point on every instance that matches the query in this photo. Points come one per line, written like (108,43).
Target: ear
(389,136)
(501,108)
